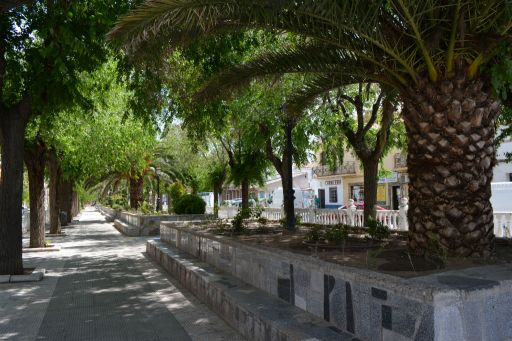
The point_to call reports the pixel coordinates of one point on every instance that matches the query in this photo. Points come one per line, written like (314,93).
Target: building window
(333,194)
(509,176)
(357,193)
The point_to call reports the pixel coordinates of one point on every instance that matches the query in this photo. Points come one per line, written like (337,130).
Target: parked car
(238,202)
(360,206)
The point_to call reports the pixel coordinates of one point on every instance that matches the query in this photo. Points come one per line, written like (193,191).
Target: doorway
(321,196)
(396,196)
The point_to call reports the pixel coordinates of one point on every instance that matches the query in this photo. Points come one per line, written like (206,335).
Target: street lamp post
(158,198)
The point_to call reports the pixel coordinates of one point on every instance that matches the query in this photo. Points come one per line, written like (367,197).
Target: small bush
(146,208)
(298,221)
(257,212)
(238,222)
(377,230)
(337,234)
(189,204)
(262,220)
(314,234)
(176,192)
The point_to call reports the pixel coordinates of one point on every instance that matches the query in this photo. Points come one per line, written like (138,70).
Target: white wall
(502,169)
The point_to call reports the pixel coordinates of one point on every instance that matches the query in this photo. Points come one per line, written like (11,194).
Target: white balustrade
(503,224)
(395,220)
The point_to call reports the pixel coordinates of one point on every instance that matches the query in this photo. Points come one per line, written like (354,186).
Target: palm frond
(409,37)
(312,58)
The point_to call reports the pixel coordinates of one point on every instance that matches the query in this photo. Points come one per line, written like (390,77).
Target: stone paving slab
(101,286)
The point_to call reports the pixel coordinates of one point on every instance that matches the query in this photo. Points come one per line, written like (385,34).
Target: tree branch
(375,112)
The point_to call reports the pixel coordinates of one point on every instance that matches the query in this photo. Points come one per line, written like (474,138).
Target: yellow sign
(381,193)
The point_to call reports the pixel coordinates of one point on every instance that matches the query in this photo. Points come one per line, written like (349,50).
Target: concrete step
(254,313)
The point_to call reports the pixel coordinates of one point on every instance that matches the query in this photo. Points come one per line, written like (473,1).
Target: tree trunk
(75,206)
(216,201)
(245,194)
(12,134)
(371,178)
(136,192)
(35,162)
(54,170)
(287,180)
(451,129)
(65,198)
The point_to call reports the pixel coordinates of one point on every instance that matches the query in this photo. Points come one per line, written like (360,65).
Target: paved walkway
(101,286)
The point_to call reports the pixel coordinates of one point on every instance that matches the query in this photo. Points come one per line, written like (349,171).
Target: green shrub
(262,220)
(314,234)
(337,234)
(146,208)
(377,230)
(298,221)
(176,191)
(189,204)
(238,222)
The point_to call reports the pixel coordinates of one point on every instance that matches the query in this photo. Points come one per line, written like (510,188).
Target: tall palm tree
(432,52)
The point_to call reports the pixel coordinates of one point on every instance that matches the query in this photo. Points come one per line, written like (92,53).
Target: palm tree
(432,52)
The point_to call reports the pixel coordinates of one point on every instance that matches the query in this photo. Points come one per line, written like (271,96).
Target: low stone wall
(136,224)
(109,213)
(471,304)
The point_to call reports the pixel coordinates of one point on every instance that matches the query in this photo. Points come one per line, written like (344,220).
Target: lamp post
(158,198)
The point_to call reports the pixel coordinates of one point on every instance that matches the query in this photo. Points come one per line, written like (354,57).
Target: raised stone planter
(451,306)
(109,213)
(135,224)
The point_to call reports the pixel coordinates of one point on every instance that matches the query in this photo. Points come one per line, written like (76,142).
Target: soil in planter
(390,256)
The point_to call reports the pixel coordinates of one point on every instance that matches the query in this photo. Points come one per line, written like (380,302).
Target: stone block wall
(451,306)
(136,224)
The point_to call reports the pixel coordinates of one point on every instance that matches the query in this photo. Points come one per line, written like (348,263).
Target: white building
(503,170)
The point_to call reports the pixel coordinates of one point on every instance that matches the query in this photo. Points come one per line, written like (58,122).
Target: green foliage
(190,204)
(282,221)
(176,192)
(146,208)
(314,235)
(337,234)
(238,225)
(377,230)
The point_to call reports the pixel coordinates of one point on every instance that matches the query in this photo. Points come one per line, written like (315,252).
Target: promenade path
(101,286)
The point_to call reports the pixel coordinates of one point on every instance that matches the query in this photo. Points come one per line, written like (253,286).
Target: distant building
(336,186)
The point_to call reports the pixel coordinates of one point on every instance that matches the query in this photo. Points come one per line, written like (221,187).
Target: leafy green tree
(359,117)
(40,59)
(433,53)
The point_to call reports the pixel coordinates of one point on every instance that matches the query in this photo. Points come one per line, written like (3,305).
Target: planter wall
(135,224)
(457,305)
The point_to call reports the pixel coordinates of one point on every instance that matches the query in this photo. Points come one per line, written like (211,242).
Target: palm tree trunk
(35,162)
(245,194)
(451,129)
(54,170)
(287,180)
(12,135)
(136,192)
(371,178)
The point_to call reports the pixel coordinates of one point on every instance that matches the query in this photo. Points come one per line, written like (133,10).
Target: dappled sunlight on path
(100,286)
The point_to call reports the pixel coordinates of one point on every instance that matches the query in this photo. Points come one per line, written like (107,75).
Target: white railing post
(403,224)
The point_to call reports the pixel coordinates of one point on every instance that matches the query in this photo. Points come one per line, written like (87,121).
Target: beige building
(335,187)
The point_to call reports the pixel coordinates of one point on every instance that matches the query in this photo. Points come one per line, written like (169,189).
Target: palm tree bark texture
(136,191)
(451,129)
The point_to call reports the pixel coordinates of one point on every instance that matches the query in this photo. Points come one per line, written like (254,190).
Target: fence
(396,220)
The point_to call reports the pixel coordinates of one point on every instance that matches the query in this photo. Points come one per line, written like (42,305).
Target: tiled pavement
(100,286)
